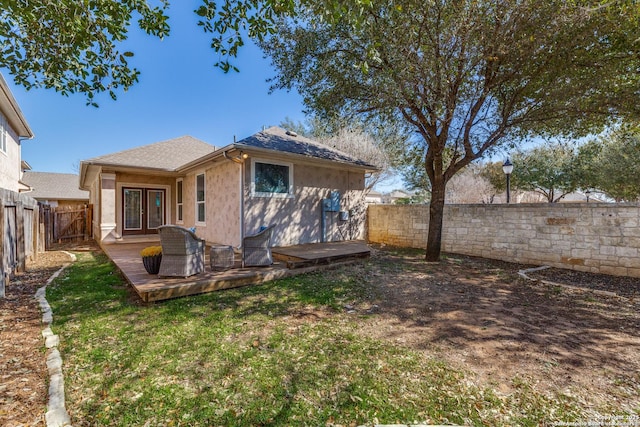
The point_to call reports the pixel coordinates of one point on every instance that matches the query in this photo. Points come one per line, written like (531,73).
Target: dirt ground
(476,314)
(580,337)
(23,371)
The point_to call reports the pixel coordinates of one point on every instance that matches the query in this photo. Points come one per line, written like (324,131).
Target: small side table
(221,257)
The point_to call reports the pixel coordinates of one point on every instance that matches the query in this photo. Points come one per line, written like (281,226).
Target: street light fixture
(507,168)
(587,193)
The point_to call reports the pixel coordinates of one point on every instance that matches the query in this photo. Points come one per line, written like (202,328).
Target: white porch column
(108,207)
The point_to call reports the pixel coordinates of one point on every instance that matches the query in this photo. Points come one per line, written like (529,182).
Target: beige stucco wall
(299,219)
(600,238)
(222,203)
(94,199)
(10,168)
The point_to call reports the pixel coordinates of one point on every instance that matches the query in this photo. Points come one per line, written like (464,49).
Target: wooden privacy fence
(19,232)
(65,224)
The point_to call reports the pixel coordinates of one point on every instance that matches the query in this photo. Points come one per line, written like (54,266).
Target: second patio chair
(256,249)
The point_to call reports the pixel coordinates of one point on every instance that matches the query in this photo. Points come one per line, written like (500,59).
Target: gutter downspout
(242,169)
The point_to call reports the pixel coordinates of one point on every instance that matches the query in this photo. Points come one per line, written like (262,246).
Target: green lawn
(258,355)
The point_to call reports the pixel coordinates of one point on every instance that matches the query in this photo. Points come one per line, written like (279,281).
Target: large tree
(465,77)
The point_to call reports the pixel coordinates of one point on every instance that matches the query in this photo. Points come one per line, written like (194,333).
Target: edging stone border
(56,415)
(523,274)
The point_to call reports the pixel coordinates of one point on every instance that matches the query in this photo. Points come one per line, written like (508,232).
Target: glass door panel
(155,209)
(132,209)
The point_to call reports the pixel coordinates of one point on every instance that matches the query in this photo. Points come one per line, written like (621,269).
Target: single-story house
(58,190)
(309,191)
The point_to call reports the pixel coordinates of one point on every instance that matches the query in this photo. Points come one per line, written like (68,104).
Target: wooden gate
(66,224)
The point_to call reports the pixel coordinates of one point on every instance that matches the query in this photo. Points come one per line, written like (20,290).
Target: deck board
(295,260)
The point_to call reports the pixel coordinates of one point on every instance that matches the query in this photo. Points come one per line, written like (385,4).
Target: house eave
(63,198)
(23,187)
(12,111)
(266,152)
(89,171)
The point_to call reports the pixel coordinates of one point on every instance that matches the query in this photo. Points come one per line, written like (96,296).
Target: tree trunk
(436,216)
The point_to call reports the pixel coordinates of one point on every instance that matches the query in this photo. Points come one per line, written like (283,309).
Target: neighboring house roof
(11,110)
(278,139)
(398,194)
(54,186)
(165,155)
(579,196)
(373,196)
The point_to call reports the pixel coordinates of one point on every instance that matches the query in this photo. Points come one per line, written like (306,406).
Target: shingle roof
(278,139)
(54,186)
(165,155)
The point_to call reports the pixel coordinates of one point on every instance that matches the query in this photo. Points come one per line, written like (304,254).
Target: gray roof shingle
(54,186)
(278,139)
(165,155)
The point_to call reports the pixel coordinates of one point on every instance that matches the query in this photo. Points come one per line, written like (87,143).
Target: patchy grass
(283,353)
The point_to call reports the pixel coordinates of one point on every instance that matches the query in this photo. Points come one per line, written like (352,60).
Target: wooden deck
(289,261)
(321,253)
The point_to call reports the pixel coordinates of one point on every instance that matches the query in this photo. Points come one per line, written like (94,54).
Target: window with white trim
(271,178)
(200,198)
(4,130)
(179,213)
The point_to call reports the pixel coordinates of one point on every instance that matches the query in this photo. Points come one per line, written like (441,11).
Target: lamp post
(507,168)
(587,193)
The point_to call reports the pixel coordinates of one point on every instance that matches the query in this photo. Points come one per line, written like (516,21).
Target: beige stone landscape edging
(523,274)
(56,415)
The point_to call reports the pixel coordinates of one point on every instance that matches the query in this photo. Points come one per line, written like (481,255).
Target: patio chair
(182,251)
(256,249)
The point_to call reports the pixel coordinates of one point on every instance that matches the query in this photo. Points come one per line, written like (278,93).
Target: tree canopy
(76,46)
(356,139)
(611,163)
(72,46)
(464,78)
(549,169)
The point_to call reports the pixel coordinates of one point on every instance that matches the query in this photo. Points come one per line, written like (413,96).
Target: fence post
(90,221)
(46,220)
(41,229)
(20,244)
(35,229)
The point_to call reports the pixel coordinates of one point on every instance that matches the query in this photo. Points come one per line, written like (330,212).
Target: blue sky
(179,93)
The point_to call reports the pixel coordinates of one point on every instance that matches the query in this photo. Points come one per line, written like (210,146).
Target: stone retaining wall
(594,237)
